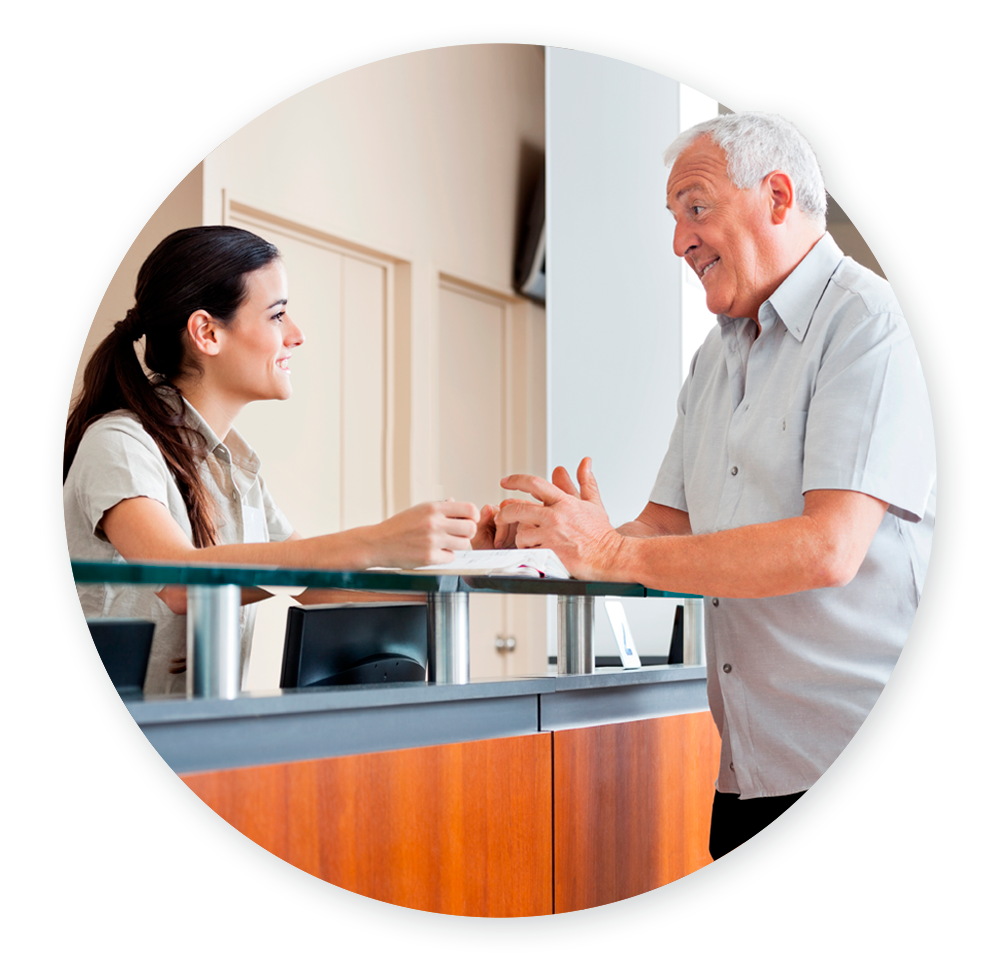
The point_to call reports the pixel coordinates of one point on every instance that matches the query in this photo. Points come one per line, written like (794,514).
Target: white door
(483,431)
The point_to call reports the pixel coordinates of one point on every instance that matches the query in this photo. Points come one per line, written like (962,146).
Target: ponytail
(202,268)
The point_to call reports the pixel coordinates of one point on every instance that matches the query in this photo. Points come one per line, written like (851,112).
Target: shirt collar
(796,299)
(233,448)
(798,295)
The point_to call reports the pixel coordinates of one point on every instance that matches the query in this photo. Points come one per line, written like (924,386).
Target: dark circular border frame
(814,811)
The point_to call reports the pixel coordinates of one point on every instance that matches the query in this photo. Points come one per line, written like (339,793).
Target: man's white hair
(757,144)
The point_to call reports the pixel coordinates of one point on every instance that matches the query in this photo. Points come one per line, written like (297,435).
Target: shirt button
(782,425)
(727,668)
(733,768)
(715,602)
(734,471)
(235,495)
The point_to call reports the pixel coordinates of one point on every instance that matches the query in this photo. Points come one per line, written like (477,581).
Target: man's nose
(684,240)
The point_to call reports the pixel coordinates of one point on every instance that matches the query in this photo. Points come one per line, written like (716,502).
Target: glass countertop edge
(102,572)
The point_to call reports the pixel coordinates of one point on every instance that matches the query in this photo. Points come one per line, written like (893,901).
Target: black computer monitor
(123,644)
(353,644)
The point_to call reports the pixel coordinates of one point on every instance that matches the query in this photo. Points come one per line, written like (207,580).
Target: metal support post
(575,648)
(213,641)
(448,638)
(694,631)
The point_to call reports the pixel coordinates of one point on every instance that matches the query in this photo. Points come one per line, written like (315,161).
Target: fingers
(562,479)
(486,528)
(542,490)
(456,529)
(521,512)
(528,537)
(462,511)
(588,482)
(506,536)
(453,527)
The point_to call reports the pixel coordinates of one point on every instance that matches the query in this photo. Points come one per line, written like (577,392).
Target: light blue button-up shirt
(830,395)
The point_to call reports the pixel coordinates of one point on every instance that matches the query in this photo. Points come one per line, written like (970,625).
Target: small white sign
(619,625)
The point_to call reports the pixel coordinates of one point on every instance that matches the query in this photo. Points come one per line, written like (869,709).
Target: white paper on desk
(535,562)
(623,635)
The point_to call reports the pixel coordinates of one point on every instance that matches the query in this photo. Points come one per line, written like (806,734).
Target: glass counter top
(86,572)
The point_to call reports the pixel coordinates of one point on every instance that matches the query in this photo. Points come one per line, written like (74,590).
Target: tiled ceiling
(863,113)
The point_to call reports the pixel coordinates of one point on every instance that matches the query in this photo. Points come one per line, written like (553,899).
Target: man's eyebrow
(681,193)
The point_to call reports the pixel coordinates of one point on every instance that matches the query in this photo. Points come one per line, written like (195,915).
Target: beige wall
(427,159)
(419,156)
(128,110)
(918,236)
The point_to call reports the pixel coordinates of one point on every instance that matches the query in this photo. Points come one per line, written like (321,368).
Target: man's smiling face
(722,231)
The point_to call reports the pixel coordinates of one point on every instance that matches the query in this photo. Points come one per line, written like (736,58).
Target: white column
(613,293)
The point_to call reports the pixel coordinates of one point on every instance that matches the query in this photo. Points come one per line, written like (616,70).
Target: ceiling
(864,113)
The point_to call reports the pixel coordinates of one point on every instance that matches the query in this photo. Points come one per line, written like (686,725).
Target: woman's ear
(203,331)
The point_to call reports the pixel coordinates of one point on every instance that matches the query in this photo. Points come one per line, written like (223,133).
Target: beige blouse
(117,460)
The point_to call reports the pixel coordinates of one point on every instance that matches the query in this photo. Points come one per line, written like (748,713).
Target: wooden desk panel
(463,829)
(632,806)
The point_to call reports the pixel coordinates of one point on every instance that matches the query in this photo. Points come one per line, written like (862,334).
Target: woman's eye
(279,316)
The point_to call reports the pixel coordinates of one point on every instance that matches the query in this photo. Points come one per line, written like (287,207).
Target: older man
(797,492)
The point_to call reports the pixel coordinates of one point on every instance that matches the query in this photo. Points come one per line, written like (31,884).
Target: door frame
(395,325)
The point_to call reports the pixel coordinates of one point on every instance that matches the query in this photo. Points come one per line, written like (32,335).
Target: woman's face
(254,362)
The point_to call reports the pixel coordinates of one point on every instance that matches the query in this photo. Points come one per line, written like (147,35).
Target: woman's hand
(426,534)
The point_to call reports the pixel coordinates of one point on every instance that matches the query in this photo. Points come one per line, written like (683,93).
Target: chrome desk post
(694,631)
(448,638)
(213,641)
(575,647)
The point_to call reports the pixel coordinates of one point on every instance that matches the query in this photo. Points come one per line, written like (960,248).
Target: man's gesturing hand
(569,521)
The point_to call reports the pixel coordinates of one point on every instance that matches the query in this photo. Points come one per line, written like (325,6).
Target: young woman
(153,468)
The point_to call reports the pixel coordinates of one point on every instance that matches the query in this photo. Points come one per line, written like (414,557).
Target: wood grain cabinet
(632,806)
(526,825)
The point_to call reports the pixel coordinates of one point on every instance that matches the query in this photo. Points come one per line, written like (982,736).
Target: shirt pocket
(778,459)
(784,438)
(791,426)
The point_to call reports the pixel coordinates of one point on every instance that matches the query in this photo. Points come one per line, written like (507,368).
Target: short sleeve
(668,490)
(113,464)
(278,527)
(869,427)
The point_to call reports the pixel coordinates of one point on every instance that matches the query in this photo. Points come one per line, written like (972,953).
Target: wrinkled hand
(425,534)
(571,522)
(492,535)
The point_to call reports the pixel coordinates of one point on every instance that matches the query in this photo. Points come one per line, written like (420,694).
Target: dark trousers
(878,859)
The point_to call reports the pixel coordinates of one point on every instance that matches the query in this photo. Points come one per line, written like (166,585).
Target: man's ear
(781,195)
(203,331)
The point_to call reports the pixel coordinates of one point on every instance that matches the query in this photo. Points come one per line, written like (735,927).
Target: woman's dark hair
(201,268)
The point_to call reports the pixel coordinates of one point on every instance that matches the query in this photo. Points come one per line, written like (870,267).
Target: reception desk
(494,798)
(515,797)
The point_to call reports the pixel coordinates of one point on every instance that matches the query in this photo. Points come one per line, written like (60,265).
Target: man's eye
(697,210)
